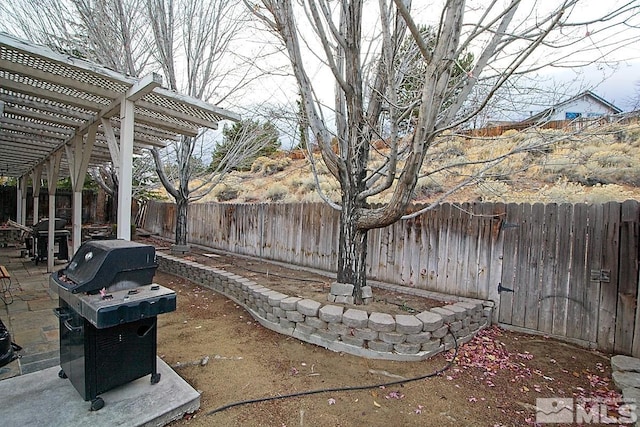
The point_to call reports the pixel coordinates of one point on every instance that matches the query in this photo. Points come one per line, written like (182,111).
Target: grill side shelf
(126,306)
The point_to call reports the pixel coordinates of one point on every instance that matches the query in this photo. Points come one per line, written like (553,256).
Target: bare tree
(186,184)
(197,35)
(506,38)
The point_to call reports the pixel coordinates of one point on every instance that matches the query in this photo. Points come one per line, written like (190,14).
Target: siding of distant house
(585,107)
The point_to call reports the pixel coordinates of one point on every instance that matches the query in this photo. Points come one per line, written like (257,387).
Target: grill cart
(38,240)
(108,308)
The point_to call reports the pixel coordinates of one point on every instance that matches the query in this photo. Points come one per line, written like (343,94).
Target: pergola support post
(78,155)
(125,161)
(36,176)
(125,168)
(53,171)
(21,200)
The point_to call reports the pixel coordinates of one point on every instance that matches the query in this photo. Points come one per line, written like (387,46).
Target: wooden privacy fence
(561,269)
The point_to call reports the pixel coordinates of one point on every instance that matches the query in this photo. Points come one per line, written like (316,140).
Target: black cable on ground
(338,389)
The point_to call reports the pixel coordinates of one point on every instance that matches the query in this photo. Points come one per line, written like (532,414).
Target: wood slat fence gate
(572,271)
(567,270)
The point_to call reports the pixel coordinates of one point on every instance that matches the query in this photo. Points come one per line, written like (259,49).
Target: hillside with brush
(549,166)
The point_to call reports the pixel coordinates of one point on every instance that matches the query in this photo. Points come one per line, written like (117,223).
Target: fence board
(576,311)
(482,245)
(405,245)
(628,285)
(534,265)
(468,273)
(496,256)
(454,248)
(549,266)
(434,250)
(413,250)
(444,218)
(562,277)
(522,267)
(511,230)
(609,291)
(593,262)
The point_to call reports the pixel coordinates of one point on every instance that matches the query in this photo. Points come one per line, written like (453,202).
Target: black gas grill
(38,241)
(108,316)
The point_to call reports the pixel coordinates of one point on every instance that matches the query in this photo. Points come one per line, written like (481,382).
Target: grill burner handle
(64,315)
(61,314)
(72,328)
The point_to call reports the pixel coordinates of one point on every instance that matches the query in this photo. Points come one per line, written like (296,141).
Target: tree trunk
(352,251)
(182,214)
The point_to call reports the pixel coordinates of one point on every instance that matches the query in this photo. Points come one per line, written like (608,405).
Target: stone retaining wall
(351,330)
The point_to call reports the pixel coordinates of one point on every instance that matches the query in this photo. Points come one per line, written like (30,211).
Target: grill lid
(43,225)
(109,263)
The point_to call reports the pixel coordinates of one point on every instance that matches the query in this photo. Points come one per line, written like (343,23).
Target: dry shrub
(268,166)
(301,184)
(276,192)
(225,192)
(310,197)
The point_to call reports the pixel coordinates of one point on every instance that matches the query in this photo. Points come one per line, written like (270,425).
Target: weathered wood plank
(577,304)
(468,276)
(610,241)
(634,216)
(490,285)
(405,245)
(534,266)
(549,267)
(628,274)
(444,216)
(511,230)
(414,251)
(520,285)
(455,252)
(562,276)
(434,249)
(484,242)
(595,226)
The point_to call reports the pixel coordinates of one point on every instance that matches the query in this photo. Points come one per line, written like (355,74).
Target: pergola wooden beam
(64,114)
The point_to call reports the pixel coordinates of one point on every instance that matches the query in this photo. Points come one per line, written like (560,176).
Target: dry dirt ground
(216,346)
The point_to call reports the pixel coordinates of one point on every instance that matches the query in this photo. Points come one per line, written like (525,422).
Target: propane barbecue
(108,308)
(38,240)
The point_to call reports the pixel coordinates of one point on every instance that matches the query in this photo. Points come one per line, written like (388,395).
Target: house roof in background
(545,114)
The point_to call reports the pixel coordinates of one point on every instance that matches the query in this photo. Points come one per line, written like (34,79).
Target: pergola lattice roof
(47,98)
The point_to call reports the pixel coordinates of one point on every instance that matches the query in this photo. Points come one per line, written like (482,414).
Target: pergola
(61,115)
